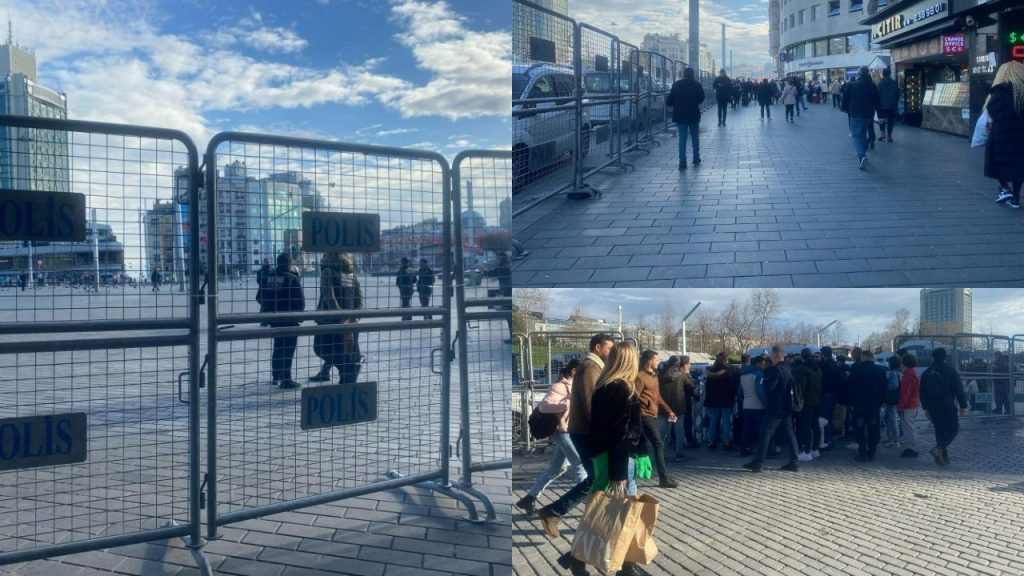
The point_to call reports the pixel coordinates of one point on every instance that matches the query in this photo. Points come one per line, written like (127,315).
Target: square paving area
(834,516)
(780,205)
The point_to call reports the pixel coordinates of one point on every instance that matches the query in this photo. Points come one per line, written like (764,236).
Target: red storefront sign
(954,44)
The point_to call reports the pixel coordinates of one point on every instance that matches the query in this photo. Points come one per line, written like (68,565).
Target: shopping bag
(642,548)
(606,531)
(981,130)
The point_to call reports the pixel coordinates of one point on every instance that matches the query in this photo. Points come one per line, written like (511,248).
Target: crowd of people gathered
(868,103)
(619,409)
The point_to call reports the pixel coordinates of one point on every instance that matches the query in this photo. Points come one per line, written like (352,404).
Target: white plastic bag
(981,130)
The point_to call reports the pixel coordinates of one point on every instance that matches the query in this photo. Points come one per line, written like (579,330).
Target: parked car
(544,132)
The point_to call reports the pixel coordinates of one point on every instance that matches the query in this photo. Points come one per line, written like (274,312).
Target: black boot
(324,375)
(574,566)
(527,504)
(630,569)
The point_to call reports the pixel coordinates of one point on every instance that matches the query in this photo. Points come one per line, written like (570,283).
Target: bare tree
(765,306)
(705,323)
(738,325)
(667,325)
(839,334)
(527,304)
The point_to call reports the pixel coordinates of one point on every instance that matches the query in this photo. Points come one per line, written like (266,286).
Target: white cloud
(470,69)
(251,31)
(396,131)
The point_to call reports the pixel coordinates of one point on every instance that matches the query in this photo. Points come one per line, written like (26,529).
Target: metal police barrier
(603,99)
(633,130)
(550,132)
(561,347)
(524,397)
(482,193)
(1017,369)
(984,364)
(661,75)
(98,318)
(362,234)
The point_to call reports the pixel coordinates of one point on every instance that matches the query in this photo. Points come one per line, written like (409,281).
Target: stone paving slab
(834,516)
(777,204)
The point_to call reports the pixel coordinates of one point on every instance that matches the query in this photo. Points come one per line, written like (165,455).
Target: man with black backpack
(282,292)
(781,403)
(941,391)
(868,387)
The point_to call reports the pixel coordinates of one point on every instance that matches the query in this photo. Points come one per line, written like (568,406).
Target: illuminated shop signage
(1016,41)
(905,20)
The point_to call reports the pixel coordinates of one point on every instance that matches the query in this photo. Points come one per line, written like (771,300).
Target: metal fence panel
(1017,368)
(259,190)
(483,196)
(87,327)
(545,114)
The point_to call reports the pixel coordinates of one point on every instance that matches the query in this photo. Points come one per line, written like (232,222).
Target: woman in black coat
(1004,155)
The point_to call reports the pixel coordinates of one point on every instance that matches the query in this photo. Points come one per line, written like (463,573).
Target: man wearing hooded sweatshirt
(579,429)
(863,103)
(868,387)
(941,391)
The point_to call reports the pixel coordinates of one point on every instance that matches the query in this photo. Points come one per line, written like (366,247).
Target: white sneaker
(1004,195)
(852,446)
(804,457)
(815,454)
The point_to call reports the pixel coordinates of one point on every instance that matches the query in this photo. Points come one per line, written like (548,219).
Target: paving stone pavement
(781,205)
(892,517)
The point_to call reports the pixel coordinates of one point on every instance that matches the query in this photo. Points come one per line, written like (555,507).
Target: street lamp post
(823,329)
(690,313)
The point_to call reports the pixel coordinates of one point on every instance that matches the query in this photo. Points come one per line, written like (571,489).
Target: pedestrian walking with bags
(789,99)
(557,403)
(1004,154)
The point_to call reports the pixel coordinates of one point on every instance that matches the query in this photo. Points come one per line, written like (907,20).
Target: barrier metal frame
(464,316)
(190,533)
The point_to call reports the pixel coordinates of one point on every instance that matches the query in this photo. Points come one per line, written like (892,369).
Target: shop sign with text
(901,22)
(954,43)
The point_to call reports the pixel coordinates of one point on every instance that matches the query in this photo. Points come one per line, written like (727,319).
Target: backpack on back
(844,102)
(796,394)
(931,388)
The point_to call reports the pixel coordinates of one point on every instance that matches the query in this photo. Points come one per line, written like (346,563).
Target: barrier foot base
(584,192)
(197,552)
(483,498)
(435,486)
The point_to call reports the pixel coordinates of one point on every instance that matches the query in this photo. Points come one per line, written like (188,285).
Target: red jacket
(910,388)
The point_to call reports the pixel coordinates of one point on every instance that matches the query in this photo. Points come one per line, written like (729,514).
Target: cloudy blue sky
(862,310)
(746,22)
(423,73)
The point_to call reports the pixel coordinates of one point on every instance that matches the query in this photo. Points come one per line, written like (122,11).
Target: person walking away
(720,396)
(583,384)
(425,285)
(723,94)
(868,385)
(1004,154)
(909,405)
(753,399)
(892,397)
(1001,383)
(778,386)
(677,386)
(789,100)
(349,295)
(564,458)
(650,403)
(764,98)
(282,292)
(156,278)
(685,98)
(941,391)
(737,89)
(831,379)
(888,101)
(799,95)
(406,282)
(862,105)
(616,428)
(808,378)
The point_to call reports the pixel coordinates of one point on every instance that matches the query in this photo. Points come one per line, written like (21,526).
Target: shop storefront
(945,54)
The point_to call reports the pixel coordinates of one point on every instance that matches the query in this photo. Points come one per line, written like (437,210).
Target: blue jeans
(694,130)
(859,132)
(680,425)
(631,478)
(828,408)
(723,415)
(892,431)
(565,453)
(753,422)
(578,493)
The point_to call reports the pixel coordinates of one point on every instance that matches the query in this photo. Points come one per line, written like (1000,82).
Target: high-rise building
(670,46)
(823,40)
(30,159)
(161,237)
(945,311)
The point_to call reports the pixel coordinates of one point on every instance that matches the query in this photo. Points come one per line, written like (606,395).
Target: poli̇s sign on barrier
(340,232)
(33,441)
(340,405)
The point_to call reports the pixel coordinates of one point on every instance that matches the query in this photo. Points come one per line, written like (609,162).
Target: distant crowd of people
(618,406)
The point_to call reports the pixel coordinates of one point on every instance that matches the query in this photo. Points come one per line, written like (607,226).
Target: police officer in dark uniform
(425,285)
(406,282)
(282,292)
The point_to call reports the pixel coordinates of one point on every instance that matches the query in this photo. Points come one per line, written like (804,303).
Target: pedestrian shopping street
(780,204)
(891,516)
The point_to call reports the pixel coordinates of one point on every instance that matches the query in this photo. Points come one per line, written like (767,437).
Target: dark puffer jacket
(685,99)
(863,95)
(1004,155)
(720,388)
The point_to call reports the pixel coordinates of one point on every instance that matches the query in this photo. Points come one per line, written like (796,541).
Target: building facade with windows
(946,311)
(823,39)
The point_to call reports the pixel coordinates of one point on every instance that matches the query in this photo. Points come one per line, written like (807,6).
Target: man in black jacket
(723,94)
(685,99)
(765,92)
(778,386)
(831,380)
(941,391)
(282,292)
(868,386)
(862,96)
(888,101)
